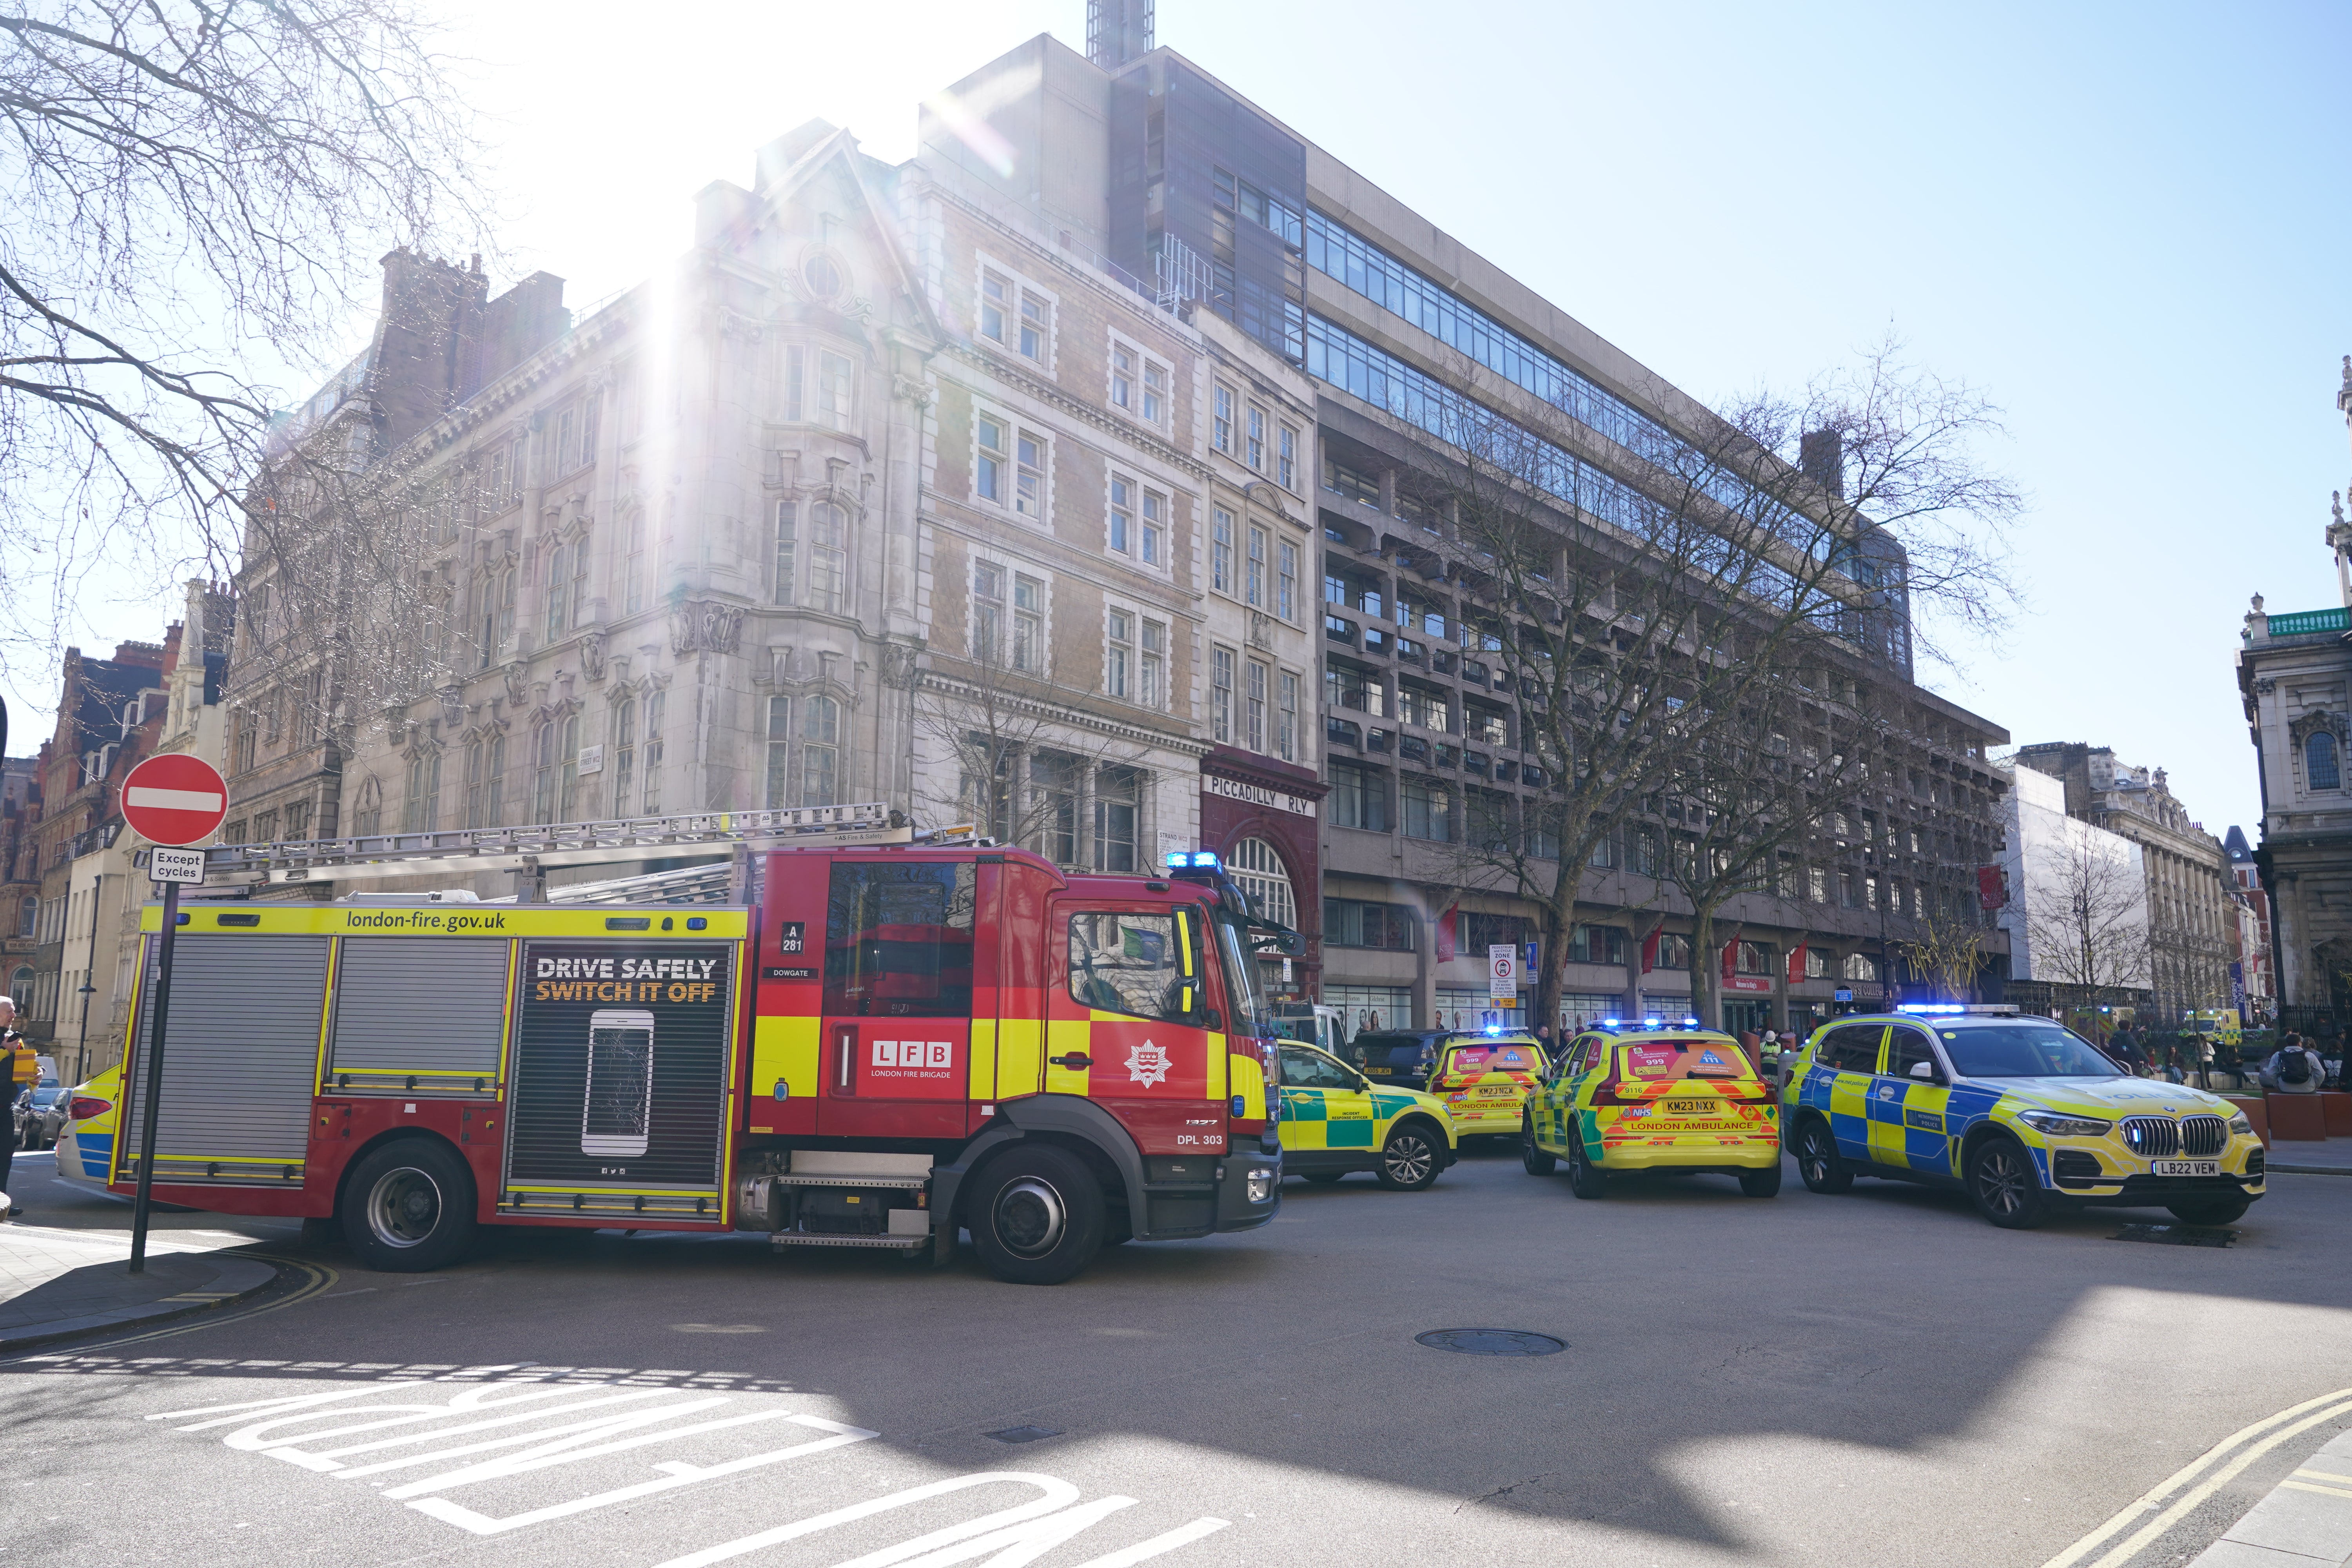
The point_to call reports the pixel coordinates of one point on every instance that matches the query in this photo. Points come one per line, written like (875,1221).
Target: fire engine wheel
(1038,1215)
(409,1206)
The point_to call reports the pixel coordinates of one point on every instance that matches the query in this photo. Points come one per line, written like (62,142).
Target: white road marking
(2166,1517)
(171,799)
(305,1430)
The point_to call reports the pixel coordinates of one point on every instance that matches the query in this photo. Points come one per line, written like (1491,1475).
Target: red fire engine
(872,1045)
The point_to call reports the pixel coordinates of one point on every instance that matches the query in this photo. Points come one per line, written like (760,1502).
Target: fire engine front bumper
(1249,1190)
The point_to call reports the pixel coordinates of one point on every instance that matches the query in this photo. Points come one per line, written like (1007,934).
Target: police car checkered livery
(2023,1114)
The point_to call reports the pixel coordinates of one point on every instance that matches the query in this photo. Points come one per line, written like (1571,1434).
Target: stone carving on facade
(703,626)
(912,389)
(2314,723)
(518,680)
(900,665)
(592,654)
(452,704)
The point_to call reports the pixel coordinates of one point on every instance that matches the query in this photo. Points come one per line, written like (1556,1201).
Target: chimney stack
(1821,458)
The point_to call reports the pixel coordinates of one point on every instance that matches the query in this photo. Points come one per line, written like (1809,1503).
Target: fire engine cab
(873,1045)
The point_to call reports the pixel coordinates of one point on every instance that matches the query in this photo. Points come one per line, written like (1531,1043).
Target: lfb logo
(918,1055)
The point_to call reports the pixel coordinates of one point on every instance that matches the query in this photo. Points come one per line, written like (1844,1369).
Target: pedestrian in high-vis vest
(24,1073)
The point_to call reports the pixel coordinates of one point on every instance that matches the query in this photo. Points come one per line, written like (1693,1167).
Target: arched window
(20,988)
(1258,871)
(368,817)
(2319,769)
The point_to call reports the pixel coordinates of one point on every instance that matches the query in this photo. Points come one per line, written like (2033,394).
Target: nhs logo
(937,1056)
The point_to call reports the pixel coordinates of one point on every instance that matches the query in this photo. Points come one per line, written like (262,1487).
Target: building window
(652,750)
(819,750)
(248,734)
(625,753)
(1118,654)
(1858,966)
(1353,483)
(1354,922)
(2319,762)
(1224,426)
(998,300)
(822,276)
(567,571)
(1155,528)
(1253,582)
(555,769)
(780,735)
(1152,692)
(795,357)
(1124,395)
(421,808)
(989,476)
(828,557)
(788,539)
(1028,625)
(1118,809)
(1221,695)
(1053,792)
(1257,869)
(1029,476)
(1255,453)
(1285,459)
(1428,810)
(1360,798)
(1285,581)
(1019,318)
(1254,696)
(1155,392)
(1221,552)
(27,911)
(1285,723)
(1123,514)
(835,390)
(987,612)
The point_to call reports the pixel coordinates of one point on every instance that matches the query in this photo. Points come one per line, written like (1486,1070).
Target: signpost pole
(154,1064)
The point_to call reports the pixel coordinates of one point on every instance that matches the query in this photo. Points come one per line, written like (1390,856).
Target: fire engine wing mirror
(1288,943)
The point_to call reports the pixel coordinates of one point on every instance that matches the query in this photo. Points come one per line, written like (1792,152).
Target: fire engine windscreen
(897,941)
(1249,1015)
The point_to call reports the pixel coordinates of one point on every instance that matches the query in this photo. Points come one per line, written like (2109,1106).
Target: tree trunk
(1707,1001)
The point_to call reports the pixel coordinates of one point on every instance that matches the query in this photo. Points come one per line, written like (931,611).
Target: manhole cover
(1490,1342)
(1026,1434)
(2176,1235)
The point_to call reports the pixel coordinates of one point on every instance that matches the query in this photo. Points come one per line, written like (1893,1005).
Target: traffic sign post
(1503,972)
(175,801)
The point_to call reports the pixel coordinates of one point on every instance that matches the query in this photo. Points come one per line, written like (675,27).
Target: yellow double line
(2201,1479)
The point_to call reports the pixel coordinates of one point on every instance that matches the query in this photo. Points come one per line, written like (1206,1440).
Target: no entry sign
(174,799)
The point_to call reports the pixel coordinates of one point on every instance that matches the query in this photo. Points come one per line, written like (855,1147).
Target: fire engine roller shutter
(242,1052)
(405,1005)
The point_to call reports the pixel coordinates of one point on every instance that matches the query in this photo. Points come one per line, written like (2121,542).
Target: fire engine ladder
(719,837)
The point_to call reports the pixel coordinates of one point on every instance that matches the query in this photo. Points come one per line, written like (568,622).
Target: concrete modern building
(2190,910)
(2077,906)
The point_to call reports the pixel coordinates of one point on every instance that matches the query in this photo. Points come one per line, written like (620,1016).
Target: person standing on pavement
(24,1071)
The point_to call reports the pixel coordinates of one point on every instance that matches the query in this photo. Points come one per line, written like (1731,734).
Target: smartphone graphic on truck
(617,1116)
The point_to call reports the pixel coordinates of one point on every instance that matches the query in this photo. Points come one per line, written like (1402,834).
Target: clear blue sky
(2117,220)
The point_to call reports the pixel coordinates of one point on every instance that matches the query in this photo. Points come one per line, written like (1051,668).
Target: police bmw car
(2021,1112)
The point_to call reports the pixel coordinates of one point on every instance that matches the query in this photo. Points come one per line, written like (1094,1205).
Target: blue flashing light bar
(1192,859)
(1653,1023)
(1690,1023)
(1612,1022)
(1932,1007)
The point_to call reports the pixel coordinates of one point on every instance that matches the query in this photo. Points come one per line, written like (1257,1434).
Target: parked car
(48,1107)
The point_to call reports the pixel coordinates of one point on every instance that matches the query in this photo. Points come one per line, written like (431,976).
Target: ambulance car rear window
(1682,1059)
(1493,1058)
(2024,1050)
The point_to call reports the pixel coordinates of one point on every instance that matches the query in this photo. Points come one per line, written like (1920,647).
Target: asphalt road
(1875,1378)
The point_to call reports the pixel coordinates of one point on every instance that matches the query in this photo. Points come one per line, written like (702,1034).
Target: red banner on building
(1797,964)
(1650,950)
(1445,932)
(1992,889)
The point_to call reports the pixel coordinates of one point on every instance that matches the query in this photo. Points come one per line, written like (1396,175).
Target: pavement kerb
(242,1277)
(2270,1165)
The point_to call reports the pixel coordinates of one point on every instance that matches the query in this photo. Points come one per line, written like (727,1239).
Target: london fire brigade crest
(1148,1064)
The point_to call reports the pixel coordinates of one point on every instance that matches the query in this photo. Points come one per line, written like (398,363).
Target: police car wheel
(1585,1179)
(1409,1161)
(1038,1217)
(408,1206)
(2211,1211)
(2002,1181)
(1819,1165)
(1532,1154)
